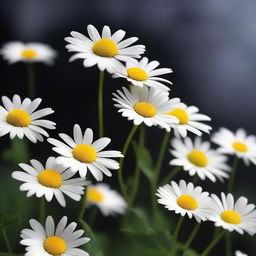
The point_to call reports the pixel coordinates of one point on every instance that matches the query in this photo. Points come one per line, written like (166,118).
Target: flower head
(238,253)
(105,50)
(19,118)
(28,52)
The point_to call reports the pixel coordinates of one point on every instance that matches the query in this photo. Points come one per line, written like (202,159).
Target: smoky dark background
(210,45)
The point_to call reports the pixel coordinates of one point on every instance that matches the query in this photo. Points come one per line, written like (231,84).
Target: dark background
(210,45)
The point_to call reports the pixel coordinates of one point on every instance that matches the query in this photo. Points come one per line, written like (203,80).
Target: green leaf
(7,221)
(190,252)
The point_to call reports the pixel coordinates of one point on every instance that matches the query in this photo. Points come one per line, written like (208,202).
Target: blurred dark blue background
(210,45)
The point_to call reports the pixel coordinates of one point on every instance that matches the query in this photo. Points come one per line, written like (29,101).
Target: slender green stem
(121,162)
(7,242)
(192,235)
(171,175)
(137,172)
(31,81)
(233,174)
(177,228)
(93,214)
(83,207)
(212,244)
(100,104)
(42,210)
(228,243)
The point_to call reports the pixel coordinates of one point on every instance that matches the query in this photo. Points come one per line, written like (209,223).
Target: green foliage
(7,221)
(190,253)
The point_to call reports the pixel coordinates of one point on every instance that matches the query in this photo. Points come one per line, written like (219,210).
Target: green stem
(93,215)
(171,175)
(83,207)
(42,210)
(228,244)
(100,104)
(121,162)
(192,235)
(177,228)
(31,81)
(137,172)
(7,242)
(233,174)
(212,244)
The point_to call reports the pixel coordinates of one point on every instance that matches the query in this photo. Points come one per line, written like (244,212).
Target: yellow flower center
(240,146)
(84,153)
(18,117)
(231,217)
(55,245)
(50,178)
(187,202)
(198,158)
(145,109)
(181,114)
(94,195)
(29,54)
(105,48)
(137,74)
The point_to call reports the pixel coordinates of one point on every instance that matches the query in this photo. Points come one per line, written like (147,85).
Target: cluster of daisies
(145,101)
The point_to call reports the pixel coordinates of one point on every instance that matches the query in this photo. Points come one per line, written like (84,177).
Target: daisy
(185,199)
(189,120)
(27,52)
(80,153)
(238,253)
(146,105)
(51,240)
(51,180)
(198,158)
(109,201)
(106,50)
(142,72)
(238,144)
(19,119)
(239,216)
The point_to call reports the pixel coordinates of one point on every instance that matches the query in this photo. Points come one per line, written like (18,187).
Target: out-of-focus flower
(143,73)
(198,158)
(239,144)
(27,52)
(19,118)
(62,240)
(185,199)
(106,50)
(52,180)
(82,153)
(109,201)
(238,253)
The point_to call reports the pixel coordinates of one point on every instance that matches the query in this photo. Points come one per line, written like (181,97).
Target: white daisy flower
(109,201)
(142,72)
(27,52)
(238,253)
(106,50)
(198,158)
(19,119)
(238,143)
(185,199)
(52,240)
(239,216)
(146,105)
(81,153)
(189,120)
(52,180)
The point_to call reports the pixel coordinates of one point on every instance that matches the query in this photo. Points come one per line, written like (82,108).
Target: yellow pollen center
(18,117)
(105,48)
(145,109)
(231,217)
(84,153)
(50,178)
(187,202)
(181,114)
(137,74)
(240,146)
(29,54)
(94,195)
(55,245)
(198,158)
